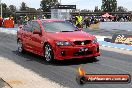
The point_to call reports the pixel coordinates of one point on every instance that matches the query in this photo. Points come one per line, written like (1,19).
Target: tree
(4,7)
(97,9)
(12,8)
(47,4)
(23,6)
(5,10)
(109,5)
(85,10)
(122,9)
(30,9)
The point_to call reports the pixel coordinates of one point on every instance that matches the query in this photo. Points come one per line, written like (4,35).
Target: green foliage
(5,10)
(109,5)
(31,9)
(12,8)
(23,6)
(122,9)
(97,9)
(4,7)
(47,4)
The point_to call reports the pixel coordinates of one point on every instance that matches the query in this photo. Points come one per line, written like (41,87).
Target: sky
(81,4)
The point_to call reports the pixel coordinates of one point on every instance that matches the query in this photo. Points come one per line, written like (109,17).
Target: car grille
(82,42)
(82,53)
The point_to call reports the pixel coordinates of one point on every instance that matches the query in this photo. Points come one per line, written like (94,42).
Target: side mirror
(36,32)
(20,27)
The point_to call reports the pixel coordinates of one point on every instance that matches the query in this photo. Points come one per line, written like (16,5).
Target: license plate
(83,49)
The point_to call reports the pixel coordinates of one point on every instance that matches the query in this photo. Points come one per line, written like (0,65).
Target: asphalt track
(64,72)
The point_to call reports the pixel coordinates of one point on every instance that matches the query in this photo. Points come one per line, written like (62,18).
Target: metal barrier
(127,26)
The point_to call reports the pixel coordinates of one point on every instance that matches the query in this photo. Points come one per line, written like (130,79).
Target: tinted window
(28,26)
(36,25)
(62,26)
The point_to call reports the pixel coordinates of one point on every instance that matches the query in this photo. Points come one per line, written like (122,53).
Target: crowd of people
(25,19)
(81,21)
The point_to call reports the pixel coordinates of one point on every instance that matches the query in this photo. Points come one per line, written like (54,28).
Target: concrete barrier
(9,30)
(116,25)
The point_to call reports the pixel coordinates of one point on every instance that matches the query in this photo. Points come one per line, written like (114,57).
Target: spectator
(79,20)
(20,21)
(26,20)
(87,22)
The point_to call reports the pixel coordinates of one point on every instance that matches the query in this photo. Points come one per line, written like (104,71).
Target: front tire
(48,53)
(95,59)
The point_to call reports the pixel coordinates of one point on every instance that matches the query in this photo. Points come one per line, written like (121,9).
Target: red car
(56,39)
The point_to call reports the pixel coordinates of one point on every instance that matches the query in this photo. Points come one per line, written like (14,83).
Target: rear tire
(20,47)
(48,53)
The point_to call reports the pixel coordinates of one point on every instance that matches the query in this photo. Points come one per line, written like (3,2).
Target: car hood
(70,36)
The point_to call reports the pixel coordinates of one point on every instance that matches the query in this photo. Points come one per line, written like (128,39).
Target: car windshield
(59,26)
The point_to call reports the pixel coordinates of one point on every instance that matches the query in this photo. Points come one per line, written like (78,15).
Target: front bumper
(70,52)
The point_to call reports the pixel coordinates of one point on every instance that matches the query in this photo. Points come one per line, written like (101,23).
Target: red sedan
(56,39)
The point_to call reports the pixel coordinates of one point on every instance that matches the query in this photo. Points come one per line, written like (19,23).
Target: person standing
(26,19)
(43,17)
(79,20)
(20,21)
(87,22)
(34,18)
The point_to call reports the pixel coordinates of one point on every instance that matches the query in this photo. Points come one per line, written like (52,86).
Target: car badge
(82,43)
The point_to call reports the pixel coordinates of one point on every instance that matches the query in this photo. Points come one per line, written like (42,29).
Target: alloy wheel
(48,53)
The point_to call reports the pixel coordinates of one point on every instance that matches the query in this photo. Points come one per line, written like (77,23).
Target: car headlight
(95,41)
(63,43)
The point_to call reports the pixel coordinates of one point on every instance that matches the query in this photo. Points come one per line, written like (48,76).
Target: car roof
(49,20)
(52,20)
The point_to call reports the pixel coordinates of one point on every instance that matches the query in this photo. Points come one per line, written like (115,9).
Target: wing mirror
(20,27)
(37,32)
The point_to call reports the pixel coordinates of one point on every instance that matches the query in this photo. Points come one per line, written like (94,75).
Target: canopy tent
(107,15)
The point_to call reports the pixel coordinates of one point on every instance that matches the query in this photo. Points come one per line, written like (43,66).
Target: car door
(37,43)
(27,36)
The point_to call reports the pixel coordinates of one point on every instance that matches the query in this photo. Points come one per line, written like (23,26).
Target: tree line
(45,6)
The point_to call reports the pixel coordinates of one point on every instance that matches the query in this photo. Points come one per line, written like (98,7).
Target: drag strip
(64,72)
(104,32)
